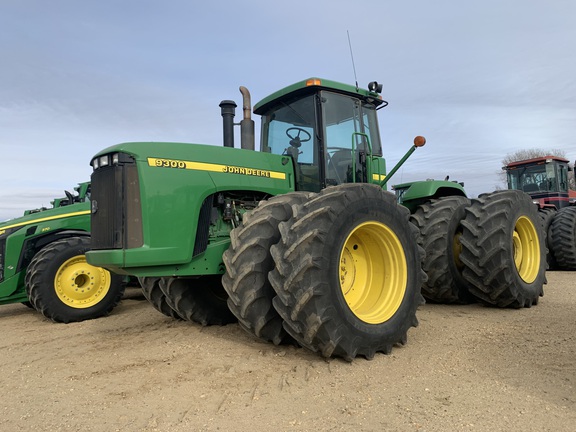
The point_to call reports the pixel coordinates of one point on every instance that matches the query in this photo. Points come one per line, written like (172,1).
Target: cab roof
(535,161)
(314,84)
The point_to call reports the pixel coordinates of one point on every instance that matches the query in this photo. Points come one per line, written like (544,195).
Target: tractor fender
(420,192)
(31,246)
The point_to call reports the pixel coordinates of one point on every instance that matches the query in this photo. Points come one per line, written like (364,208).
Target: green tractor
(300,241)
(43,264)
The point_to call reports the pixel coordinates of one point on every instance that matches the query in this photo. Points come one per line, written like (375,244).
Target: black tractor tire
(546,217)
(439,223)
(153,293)
(503,250)
(65,288)
(248,262)
(348,272)
(563,238)
(201,300)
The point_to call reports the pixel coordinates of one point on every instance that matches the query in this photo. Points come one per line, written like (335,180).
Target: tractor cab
(329,130)
(544,178)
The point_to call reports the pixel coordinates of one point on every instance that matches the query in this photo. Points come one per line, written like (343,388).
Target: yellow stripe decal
(378,177)
(202,166)
(80,213)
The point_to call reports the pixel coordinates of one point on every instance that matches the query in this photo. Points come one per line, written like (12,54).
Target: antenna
(352,57)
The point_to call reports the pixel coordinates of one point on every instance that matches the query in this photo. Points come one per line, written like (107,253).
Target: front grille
(116,221)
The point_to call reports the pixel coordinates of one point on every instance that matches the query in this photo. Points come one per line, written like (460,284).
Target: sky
(478,79)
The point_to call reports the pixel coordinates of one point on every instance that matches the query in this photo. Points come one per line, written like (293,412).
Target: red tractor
(545,179)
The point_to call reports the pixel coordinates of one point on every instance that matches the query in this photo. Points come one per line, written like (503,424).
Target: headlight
(104,160)
(5,232)
(101,162)
(110,159)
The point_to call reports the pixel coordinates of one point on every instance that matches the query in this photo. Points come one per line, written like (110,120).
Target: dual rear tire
(440,231)
(504,250)
(491,249)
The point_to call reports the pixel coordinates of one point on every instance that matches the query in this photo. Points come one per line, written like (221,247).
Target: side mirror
(375,87)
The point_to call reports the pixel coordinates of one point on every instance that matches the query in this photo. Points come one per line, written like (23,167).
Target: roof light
(313,82)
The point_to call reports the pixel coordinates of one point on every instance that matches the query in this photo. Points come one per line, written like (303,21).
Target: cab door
(347,143)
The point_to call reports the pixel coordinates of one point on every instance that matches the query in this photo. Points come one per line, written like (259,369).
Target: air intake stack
(228,111)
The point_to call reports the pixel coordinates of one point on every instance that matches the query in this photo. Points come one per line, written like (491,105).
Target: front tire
(503,250)
(65,288)
(348,272)
(248,262)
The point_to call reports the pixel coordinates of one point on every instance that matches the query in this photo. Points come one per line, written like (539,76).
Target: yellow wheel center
(80,285)
(373,272)
(526,249)
(457,250)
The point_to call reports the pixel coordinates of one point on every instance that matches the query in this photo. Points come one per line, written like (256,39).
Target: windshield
(538,178)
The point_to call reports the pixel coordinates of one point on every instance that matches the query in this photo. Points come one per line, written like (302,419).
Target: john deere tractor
(43,264)
(545,179)
(299,241)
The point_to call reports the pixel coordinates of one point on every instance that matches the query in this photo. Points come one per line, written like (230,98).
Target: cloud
(478,80)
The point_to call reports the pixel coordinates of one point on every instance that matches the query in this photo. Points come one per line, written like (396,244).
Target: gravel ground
(465,368)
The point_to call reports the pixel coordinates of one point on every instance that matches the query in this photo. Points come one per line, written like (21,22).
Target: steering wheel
(70,197)
(296,141)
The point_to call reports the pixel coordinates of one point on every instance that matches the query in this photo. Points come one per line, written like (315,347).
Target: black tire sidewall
(528,209)
(488,250)
(48,297)
(454,226)
(563,238)
(351,217)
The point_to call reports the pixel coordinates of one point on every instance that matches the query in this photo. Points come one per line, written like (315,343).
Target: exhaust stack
(228,111)
(247,124)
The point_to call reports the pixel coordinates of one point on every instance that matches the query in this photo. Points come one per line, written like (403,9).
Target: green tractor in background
(300,241)
(43,264)
(481,250)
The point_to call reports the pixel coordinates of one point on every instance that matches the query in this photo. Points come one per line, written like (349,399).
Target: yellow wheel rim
(80,285)
(526,249)
(373,272)
(457,250)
